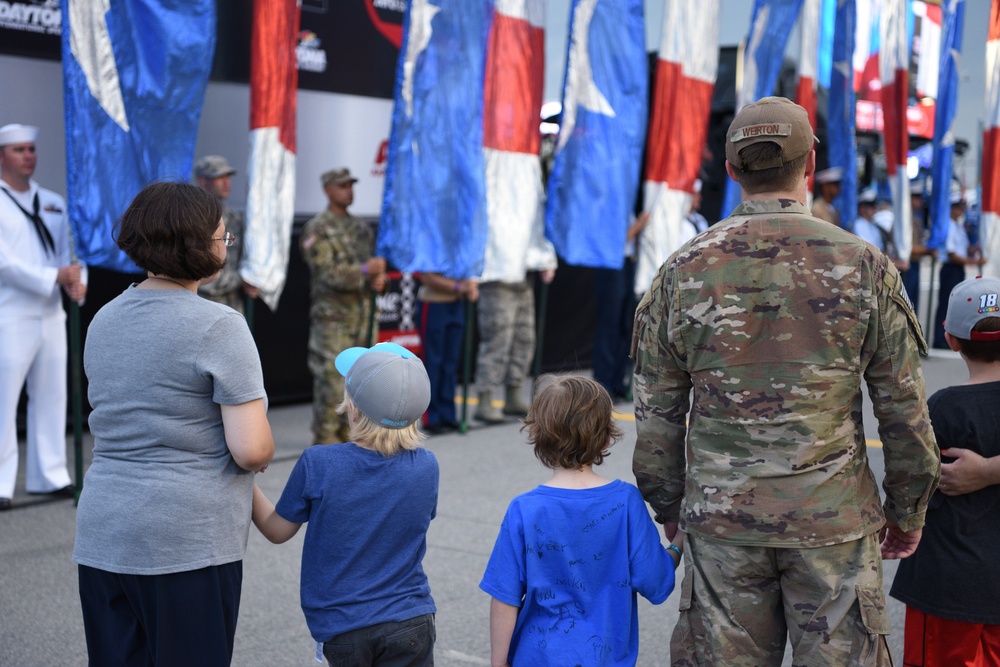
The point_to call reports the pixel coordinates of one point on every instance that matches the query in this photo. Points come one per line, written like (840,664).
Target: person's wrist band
(458,286)
(364,269)
(673,547)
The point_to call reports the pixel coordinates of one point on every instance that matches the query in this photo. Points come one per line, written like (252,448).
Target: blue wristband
(673,547)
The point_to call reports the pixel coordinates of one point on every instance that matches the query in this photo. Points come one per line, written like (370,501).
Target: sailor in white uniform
(36,260)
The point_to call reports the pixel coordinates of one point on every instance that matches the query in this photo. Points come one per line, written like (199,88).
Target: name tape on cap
(761,130)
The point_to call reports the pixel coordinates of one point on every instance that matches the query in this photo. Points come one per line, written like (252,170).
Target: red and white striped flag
(512,101)
(894,59)
(990,229)
(681,103)
(805,89)
(270,210)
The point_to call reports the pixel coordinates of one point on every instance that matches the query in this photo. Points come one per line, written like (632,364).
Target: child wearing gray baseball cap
(368,503)
(949,585)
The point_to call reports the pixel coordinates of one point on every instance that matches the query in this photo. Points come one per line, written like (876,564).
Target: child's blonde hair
(570,422)
(368,434)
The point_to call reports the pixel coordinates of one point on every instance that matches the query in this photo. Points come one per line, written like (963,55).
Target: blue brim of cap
(346,359)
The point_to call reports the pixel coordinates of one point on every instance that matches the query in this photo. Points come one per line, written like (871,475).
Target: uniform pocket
(874,615)
(687,589)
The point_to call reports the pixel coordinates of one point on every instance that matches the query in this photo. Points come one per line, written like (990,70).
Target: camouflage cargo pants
(506,318)
(738,603)
(327,339)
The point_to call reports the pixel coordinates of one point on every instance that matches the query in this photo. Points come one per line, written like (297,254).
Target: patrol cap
(971,301)
(830,175)
(386,382)
(868,196)
(337,176)
(212,166)
(774,119)
(15,133)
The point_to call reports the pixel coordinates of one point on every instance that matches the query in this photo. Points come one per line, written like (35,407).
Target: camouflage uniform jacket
(229,279)
(334,248)
(774,318)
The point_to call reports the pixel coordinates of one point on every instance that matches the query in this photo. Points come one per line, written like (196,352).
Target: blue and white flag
(770,27)
(840,114)
(134,77)
(953,13)
(434,204)
(595,176)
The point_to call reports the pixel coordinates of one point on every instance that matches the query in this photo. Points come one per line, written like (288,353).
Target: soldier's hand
(968,472)
(897,543)
(470,289)
(251,291)
(547,275)
(68,275)
(377,282)
(375,266)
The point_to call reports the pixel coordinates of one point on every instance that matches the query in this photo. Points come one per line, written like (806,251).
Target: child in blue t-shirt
(573,553)
(363,589)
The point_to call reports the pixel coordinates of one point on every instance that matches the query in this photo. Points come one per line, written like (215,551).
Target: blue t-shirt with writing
(573,561)
(368,516)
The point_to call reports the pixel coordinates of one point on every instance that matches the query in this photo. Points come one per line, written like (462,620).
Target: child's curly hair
(570,423)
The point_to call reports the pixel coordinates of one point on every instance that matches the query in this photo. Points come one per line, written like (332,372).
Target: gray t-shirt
(163,493)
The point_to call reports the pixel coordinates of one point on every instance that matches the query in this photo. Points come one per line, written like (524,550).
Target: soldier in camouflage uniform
(774,318)
(337,248)
(213,173)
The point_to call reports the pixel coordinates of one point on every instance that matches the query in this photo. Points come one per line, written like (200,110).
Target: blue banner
(434,204)
(595,176)
(953,13)
(770,27)
(134,77)
(840,116)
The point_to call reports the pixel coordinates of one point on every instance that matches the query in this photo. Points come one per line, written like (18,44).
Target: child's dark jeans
(405,644)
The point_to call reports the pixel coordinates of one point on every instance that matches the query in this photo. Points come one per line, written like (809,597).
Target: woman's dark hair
(168,229)
(570,422)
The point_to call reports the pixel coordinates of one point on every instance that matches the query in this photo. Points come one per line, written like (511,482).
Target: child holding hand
(573,553)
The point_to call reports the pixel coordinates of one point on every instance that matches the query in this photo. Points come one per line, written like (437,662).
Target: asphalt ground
(40,621)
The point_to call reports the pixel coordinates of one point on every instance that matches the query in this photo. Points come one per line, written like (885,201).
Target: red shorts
(930,641)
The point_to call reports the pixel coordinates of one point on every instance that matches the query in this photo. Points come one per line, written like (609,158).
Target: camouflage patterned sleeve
(662,397)
(892,349)
(330,259)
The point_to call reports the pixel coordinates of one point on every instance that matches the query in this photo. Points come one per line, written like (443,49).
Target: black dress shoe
(68,491)
(5,504)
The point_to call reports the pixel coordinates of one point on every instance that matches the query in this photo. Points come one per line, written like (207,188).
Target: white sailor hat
(831,175)
(15,133)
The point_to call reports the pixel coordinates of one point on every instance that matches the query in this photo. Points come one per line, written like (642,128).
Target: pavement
(481,471)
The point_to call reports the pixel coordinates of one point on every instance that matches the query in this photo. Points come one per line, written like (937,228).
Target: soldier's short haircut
(168,230)
(786,177)
(367,433)
(570,422)
(985,351)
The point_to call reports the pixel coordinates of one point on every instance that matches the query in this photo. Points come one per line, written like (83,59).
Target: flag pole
(249,307)
(463,426)
(76,379)
(543,303)
(372,303)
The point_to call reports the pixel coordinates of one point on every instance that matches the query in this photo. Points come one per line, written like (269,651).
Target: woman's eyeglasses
(228,238)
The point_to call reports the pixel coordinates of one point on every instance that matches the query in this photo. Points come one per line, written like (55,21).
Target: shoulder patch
(308,241)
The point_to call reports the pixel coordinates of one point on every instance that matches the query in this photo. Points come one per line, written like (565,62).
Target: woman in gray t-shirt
(179,424)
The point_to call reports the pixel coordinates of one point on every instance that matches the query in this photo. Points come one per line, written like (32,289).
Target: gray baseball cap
(386,382)
(213,166)
(973,300)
